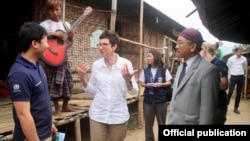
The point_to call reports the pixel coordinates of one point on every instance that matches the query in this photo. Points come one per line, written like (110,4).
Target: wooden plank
(81,96)
(5,101)
(81,106)
(8,129)
(6,124)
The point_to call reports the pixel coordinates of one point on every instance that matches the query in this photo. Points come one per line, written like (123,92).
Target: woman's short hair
(211,48)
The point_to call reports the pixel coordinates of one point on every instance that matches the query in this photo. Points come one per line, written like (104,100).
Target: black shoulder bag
(168,88)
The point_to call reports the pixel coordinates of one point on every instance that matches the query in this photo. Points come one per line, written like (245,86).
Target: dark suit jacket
(194,101)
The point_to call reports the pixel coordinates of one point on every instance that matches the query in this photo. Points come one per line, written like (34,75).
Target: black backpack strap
(163,73)
(145,69)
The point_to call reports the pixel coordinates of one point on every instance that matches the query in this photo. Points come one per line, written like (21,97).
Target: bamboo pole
(164,51)
(78,129)
(170,39)
(63,10)
(170,46)
(113,15)
(69,120)
(140,99)
(137,43)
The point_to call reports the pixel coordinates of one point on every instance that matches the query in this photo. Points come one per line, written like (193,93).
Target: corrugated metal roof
(227,20)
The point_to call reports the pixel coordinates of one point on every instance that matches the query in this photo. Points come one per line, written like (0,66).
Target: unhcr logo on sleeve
(16,88)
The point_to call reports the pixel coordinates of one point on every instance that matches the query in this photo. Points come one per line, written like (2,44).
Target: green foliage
(243,46)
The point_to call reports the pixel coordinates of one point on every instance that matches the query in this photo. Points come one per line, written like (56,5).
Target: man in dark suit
(196,89)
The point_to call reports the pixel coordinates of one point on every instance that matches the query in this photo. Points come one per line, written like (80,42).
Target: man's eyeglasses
(181,42)
(103,45)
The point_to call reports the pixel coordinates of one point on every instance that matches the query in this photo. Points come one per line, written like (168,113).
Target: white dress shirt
(109,88)
(237,65)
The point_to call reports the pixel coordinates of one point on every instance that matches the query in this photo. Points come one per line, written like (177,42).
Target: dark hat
(192,35)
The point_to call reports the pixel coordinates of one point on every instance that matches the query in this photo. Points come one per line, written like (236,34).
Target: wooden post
(78,129)
(63,10)
(164,51)
(141,49)
(113,15)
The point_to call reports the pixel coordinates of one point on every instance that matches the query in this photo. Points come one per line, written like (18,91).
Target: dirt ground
(138,134)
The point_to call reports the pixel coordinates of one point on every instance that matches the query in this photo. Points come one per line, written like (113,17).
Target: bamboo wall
(81,50)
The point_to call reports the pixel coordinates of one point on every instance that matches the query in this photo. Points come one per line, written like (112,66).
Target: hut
(139,25)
